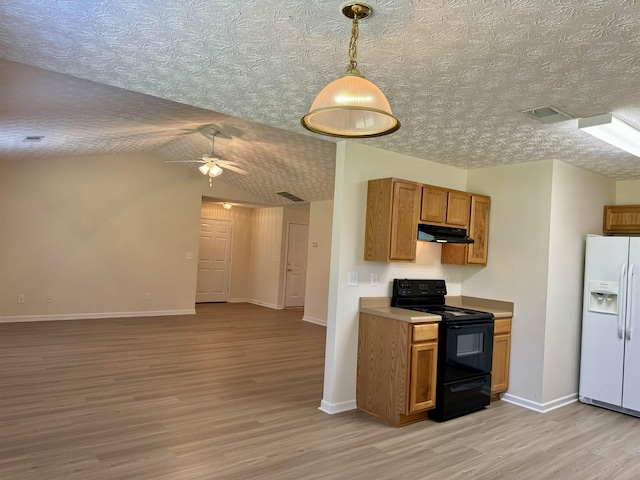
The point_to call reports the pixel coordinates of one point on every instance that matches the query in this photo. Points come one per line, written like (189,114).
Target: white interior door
(296,265)
(631,385)
(214,260)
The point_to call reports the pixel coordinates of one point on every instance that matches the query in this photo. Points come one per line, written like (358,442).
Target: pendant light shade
(351,106)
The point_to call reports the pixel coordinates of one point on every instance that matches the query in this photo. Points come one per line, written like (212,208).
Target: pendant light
(352,106)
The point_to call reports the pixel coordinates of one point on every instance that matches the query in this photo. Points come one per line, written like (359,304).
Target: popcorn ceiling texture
(456,72)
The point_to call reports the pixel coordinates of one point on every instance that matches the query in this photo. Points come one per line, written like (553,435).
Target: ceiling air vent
(290,196)
(33,138)
(548,114)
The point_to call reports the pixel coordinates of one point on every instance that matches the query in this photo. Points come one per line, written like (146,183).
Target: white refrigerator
(610,357)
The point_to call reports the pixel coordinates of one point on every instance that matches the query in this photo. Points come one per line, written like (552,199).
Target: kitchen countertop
(382,306)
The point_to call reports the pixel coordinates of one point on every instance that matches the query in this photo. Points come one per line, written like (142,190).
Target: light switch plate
(352,278)
(374,279)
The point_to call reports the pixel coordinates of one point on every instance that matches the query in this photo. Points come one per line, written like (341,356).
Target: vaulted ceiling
(123,75)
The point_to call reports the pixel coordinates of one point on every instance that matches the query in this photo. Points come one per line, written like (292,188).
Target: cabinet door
(422,389)
(458,209)
(479,230)
(434,204)
(500,366)
(621,219)
(404,221)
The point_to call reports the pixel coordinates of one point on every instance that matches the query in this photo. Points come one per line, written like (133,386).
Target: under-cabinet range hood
(440,234)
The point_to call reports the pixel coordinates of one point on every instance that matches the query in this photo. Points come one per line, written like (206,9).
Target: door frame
(233,230)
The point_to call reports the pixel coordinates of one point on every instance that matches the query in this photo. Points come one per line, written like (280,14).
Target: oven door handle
(469,325)
(468,386)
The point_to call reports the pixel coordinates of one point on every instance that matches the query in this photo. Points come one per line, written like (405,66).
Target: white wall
(98,233)
(318,261)
(266,259)
(628,192)
(355,165)
(540,213)
(577,201)
(517,269)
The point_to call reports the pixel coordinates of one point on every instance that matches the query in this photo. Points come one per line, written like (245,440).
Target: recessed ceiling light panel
(548,114)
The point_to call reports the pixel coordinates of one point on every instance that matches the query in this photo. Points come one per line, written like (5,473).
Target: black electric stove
(465,347)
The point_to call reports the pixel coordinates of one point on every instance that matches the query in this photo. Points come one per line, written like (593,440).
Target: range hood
(436,233)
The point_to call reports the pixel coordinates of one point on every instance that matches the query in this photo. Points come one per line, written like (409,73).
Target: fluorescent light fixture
(612,130)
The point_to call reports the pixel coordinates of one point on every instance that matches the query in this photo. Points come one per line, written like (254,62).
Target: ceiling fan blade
(227,162)
(234,169)
(186,161)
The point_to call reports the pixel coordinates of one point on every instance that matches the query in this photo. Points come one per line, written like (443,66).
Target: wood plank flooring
(233,393)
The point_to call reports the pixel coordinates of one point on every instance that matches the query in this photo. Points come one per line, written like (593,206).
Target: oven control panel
(418,288)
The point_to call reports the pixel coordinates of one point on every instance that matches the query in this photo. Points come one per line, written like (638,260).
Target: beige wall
(577,199)
(239,283)
(355,165)
(517,268)
(628,192)
(318,262)
(266,262)
(97,233)
(540,213)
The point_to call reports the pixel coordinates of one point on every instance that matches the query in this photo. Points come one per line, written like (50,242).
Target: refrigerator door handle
(622,308)
(630,290)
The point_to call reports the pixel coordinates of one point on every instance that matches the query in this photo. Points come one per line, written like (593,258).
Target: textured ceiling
(456,72)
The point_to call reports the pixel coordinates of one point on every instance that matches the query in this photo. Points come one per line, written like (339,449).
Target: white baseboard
(265,304)
(540,407)
(317,321)
(239,300)
(89,316)
(332,408)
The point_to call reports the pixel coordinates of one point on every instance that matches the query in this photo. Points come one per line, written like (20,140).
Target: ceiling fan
(212,165)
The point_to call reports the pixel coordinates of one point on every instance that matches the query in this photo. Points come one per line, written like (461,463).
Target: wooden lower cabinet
(396,373)
(501,357)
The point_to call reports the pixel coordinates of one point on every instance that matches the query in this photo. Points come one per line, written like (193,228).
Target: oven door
(468,349)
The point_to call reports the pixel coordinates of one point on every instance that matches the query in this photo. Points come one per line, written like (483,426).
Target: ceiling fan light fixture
(214,170)
(204,169)
(351,106)
(612,130)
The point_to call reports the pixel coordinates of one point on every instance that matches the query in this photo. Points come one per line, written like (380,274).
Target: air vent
(548,114)
(33,138)
(290,196)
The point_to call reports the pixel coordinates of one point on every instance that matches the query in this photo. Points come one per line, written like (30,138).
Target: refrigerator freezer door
(631,388)
(602,356)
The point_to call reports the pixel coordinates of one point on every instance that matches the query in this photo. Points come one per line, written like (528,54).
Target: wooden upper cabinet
(446,207)
(479,230)
(458,209)
(474,253)
(391,228)
(434,204)
(623,219)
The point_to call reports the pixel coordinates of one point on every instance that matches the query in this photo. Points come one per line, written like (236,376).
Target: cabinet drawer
(502,325)
(424,332)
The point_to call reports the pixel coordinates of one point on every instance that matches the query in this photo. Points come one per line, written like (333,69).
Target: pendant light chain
(353,49)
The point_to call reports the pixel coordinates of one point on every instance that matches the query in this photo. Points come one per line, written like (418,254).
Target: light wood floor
(233,393)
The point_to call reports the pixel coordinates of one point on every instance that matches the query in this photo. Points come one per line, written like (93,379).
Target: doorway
(296,275)
(214,260)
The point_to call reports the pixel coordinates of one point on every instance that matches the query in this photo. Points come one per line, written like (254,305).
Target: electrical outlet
(20,298)
(49,298)
(352,278)
(147,297)
(189,256)
(374,279)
